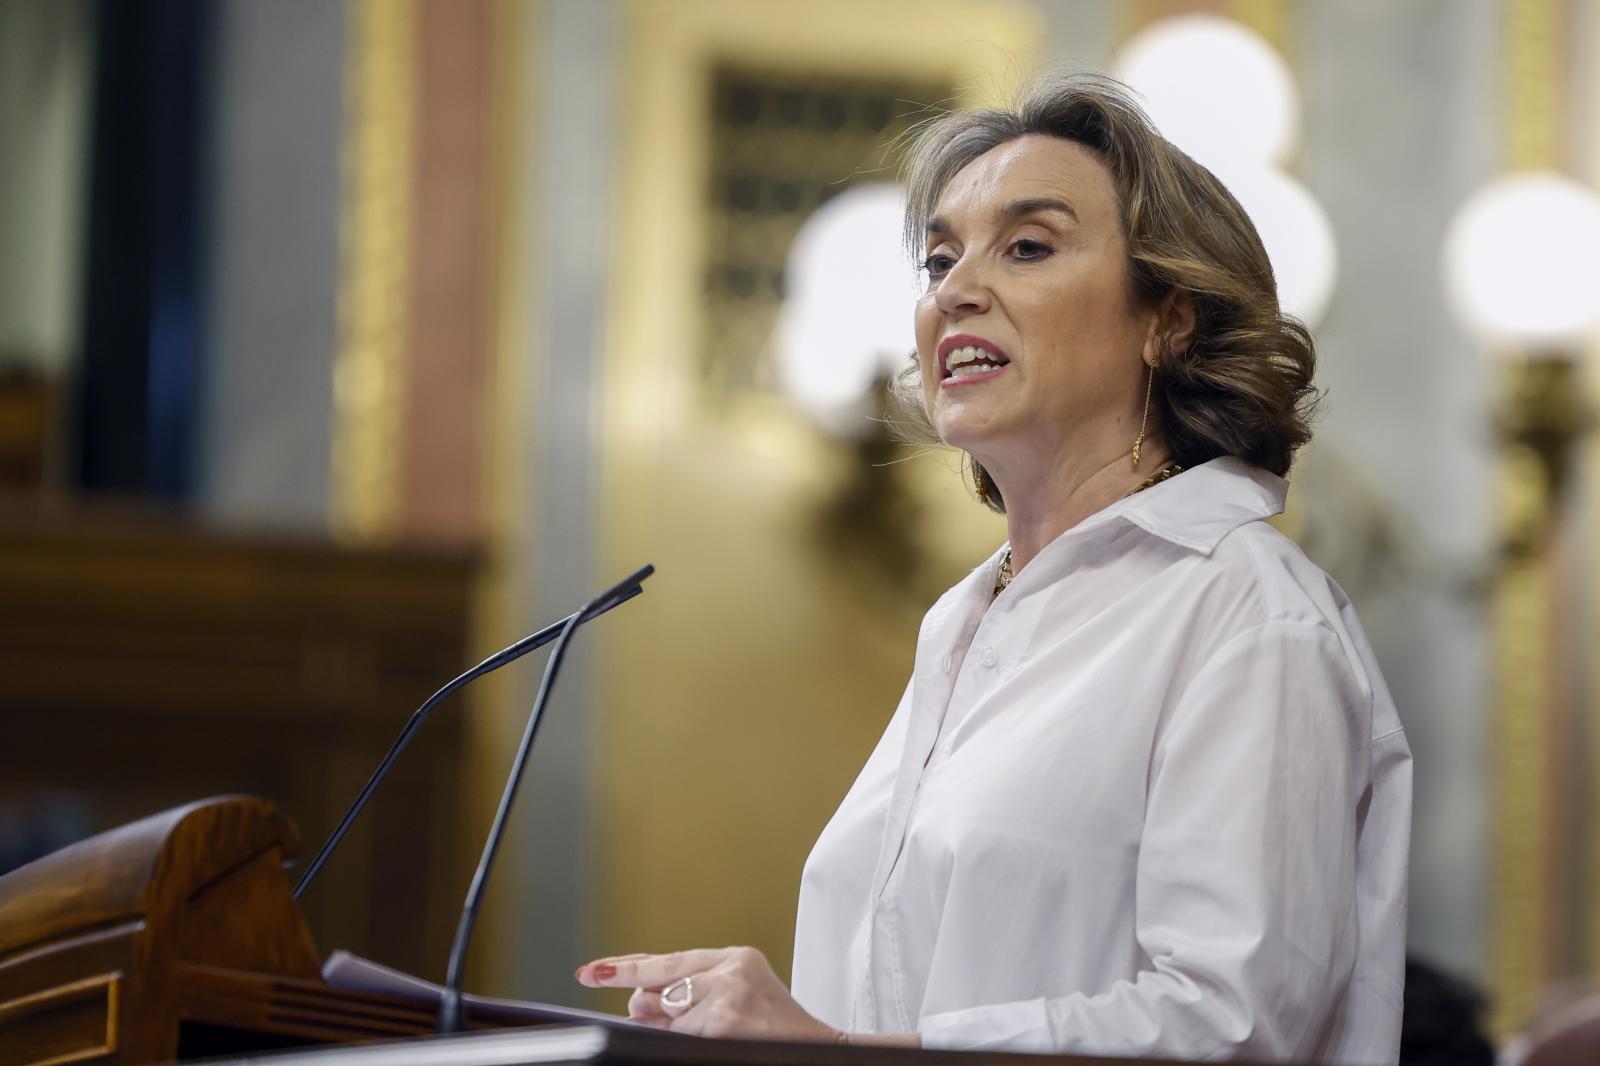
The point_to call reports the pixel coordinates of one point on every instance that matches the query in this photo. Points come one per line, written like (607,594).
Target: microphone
(613,597)
(451,1012)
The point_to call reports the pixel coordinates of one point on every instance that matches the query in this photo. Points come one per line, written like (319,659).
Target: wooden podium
(177,937)
(174,937)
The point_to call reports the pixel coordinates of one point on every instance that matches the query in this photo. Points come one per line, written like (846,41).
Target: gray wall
(1080,36)
(574,48)
(46,48)
(1399,131)
(266,423)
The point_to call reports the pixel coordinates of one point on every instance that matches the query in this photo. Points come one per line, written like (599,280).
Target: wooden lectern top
(176,936)
(191,869)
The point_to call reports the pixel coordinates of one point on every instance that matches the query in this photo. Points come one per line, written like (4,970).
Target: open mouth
(970,359)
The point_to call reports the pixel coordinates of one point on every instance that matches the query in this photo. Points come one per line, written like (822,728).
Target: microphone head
(638,576)
(621,592)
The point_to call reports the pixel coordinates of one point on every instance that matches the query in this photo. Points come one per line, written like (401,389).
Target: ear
(1171,326)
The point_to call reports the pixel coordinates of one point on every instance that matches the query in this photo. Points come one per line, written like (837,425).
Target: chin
(964,431)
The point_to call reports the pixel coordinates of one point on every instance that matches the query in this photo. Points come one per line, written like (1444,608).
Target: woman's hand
(728,992)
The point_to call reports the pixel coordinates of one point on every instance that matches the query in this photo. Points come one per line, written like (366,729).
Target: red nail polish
(605,971)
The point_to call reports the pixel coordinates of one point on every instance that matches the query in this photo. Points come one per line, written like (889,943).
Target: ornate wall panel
(369,386)
(782,145)
(1533,942)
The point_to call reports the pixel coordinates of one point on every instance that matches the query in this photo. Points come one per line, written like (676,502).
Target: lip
(968,340)
(971,379)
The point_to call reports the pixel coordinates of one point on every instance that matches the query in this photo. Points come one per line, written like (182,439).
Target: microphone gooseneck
(451,1012)
(618,595)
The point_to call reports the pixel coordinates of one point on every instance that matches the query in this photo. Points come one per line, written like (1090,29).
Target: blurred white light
(1522,261)
(1297,235)
(846,319)
(1215,89)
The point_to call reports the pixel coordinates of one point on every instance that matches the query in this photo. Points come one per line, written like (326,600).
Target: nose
(963,290)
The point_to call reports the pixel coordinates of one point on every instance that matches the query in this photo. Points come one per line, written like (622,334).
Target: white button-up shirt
(1153,800)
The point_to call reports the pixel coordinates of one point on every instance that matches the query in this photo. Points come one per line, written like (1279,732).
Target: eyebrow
(1014,210)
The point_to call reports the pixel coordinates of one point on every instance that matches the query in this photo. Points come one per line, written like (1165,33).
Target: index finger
(649,971)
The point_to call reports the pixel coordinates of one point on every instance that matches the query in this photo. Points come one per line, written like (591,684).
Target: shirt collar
(1199,507)
(1194,509)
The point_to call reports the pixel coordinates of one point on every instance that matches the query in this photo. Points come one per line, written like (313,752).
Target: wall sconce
(846,321)
(1522,274)
(843,334)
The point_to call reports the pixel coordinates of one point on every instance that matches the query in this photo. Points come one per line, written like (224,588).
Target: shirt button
(947,664)
(989,657)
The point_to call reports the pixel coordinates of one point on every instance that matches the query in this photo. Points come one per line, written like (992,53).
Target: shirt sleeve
(1246,876)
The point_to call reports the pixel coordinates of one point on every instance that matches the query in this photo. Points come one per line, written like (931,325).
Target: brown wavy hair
(1242,386)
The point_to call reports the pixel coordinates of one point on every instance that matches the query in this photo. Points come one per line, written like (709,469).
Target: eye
(1027,249)
(938,264)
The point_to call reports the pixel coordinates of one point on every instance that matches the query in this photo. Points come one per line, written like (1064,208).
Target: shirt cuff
(1019,1026)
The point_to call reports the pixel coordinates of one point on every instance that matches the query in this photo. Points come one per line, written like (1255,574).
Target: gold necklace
(1003,578)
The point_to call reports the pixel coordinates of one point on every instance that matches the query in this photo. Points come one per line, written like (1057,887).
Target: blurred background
(344,343)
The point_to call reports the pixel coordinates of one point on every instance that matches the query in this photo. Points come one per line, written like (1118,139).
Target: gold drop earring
(1144,420)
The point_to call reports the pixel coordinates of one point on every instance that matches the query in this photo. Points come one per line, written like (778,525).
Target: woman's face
(1030,345)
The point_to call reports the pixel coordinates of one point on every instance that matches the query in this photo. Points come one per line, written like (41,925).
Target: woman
(1146,793)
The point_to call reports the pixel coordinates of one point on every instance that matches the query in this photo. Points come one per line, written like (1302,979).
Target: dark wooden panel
(146,661)
(68,1023)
